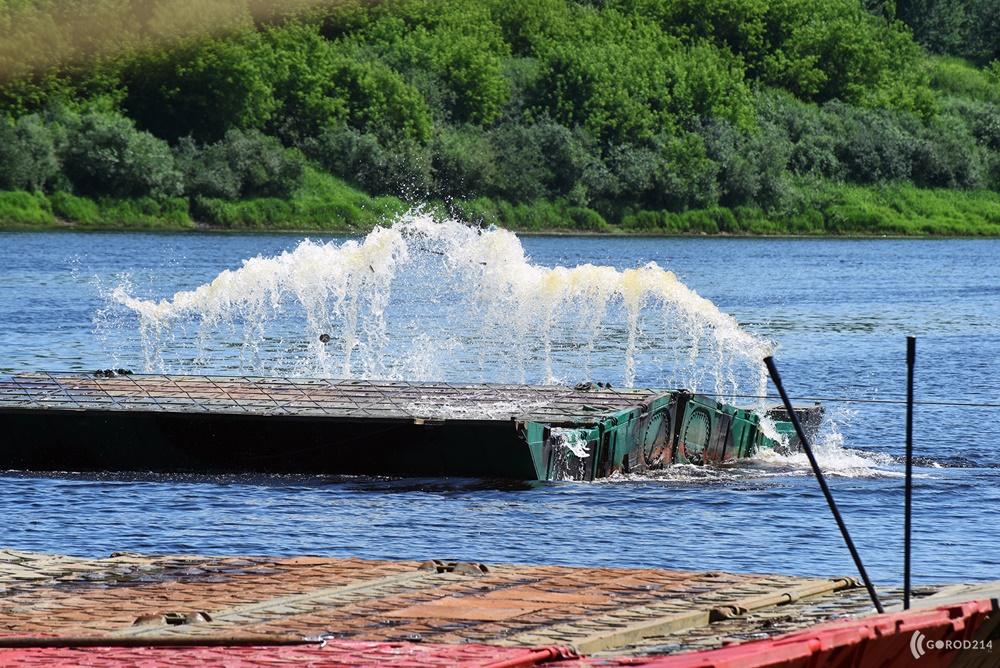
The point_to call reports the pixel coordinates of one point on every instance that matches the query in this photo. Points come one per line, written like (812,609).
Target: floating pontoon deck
(165,423)
(248,612)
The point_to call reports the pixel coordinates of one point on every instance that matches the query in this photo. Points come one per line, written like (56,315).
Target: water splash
(437,300)
(833,458)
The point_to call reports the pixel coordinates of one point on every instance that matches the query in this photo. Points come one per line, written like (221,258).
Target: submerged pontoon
(215,424)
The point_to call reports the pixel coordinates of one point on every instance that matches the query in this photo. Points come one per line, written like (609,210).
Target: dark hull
(217,425)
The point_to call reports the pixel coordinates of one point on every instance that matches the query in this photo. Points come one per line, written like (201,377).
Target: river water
(835,313)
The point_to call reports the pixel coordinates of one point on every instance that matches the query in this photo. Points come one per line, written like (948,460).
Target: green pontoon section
(213,424)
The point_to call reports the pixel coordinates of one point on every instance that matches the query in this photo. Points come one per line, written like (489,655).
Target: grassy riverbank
(327,204)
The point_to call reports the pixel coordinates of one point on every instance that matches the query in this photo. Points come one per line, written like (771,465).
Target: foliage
(958,77)
(322,202)
(402,168)
(538,160)
(105,155)
(964,28)
(538,216)
(845,143)
(452,51)
(673,116)
(69,207)
(240,165)
(144,213)
(817,50)
(752,166)
(625,80)
(464,162)
(202,88)
(29,153)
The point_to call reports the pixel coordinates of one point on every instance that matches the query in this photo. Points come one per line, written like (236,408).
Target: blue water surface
(839,312)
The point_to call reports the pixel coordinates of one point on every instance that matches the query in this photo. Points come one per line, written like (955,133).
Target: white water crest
(427,299)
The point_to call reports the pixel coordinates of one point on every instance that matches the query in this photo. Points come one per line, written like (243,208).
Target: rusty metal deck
(315,397)
(130,596)
(124,422)
(132,609)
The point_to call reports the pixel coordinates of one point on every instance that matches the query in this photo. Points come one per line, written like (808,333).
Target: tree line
(647,114)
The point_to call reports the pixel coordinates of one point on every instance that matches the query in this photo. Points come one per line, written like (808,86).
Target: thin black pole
(769,361)
(911,358)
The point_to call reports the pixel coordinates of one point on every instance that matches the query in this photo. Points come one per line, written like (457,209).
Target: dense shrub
(463,162)
(407,172)
(401,168)
(982,119)
(871,147)
(752,165)
(241,165)
(29,153)
(813,145)
(105,155)
(352,155)
(543,159)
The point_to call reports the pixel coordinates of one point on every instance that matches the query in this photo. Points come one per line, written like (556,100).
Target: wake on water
(432,300)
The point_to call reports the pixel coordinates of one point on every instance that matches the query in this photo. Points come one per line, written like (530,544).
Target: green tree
(817,50)
(966,28)
(624,80)
(202,88)
(322,84)
(452,51)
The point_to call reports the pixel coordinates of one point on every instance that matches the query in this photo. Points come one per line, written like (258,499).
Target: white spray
(433,300)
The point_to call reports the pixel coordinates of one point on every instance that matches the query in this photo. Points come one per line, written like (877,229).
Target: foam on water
(437,300)
(834,459)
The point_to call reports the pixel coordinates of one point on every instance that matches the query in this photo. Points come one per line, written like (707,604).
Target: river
(834,312)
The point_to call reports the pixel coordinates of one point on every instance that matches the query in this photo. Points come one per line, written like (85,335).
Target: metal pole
(769,361)
(911,357)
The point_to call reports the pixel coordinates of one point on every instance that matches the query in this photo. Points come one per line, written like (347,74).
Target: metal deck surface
(315,397)
(132,609)
(129,596)
(111,421)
